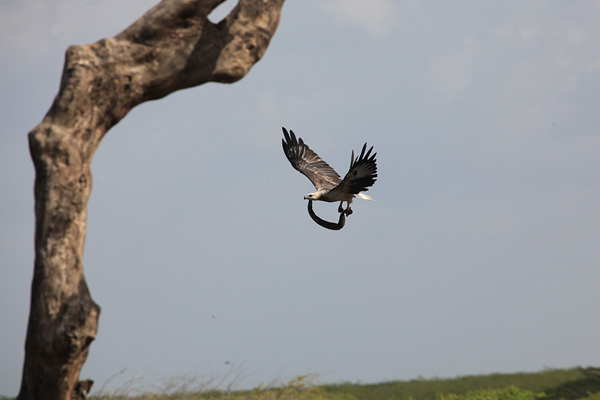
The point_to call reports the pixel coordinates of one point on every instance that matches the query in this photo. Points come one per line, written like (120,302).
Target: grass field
(554,384)
(568,384)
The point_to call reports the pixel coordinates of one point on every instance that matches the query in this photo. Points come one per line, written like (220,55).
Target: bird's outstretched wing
(362,173)
(308,162)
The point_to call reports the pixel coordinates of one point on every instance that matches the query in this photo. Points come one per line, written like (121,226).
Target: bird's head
(313,196)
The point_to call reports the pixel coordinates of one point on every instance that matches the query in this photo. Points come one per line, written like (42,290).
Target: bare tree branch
(171,47)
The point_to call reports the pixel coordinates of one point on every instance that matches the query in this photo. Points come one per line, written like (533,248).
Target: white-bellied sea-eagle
(330,187)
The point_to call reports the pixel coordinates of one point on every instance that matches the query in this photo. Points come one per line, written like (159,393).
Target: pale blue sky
(480,253)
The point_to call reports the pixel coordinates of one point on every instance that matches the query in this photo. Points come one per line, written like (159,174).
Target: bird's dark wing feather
(308,162)
(362,173)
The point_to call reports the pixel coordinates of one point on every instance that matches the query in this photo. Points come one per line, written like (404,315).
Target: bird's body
(330,186)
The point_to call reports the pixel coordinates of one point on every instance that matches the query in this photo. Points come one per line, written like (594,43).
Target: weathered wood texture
(171,47)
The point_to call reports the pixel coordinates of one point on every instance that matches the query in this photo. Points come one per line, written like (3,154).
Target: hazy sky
(480,254)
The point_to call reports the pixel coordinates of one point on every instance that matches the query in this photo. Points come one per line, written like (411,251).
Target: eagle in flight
(330,187)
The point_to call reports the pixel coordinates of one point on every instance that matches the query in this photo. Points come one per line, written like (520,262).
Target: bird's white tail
(365,197)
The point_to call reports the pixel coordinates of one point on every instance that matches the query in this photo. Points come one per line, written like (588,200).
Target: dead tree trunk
(173,46)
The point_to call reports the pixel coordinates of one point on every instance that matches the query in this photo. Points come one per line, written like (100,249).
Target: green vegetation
(509,393)
(566,384)
(563,384)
